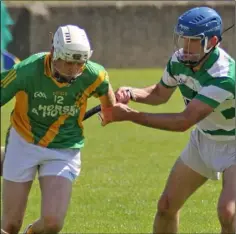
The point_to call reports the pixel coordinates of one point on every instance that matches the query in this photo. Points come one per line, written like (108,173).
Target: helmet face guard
(191,50)
(188,50)
(70,55)
(192,32)
(65,71)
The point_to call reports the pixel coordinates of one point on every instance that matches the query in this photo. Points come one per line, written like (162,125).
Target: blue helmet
(200,22)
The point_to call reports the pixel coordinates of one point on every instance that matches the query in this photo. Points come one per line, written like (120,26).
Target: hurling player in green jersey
(46,133)
(205,75)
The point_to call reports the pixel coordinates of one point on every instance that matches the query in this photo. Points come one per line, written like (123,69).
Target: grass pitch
(124,170)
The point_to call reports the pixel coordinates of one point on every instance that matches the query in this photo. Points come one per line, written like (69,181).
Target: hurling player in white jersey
(205,75)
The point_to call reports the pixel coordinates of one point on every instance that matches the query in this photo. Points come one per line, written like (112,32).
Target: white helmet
(71,44)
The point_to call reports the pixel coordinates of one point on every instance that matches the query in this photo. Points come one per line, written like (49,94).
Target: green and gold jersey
(213,84)
(46,112)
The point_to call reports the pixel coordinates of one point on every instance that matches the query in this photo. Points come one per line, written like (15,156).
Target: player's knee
(52,224)
(226,213)
(11,226)
(166,206)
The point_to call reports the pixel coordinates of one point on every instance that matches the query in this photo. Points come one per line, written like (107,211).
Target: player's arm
(105,91)
(108,99)
(153,95)
(177,122)
(9,85)
(200,107)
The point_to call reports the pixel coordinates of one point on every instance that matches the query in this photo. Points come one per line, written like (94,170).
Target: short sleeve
(167,79)
(103,88)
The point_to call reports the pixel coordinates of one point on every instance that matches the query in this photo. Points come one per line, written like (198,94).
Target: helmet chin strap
(62,79)
(203,57)
(207,51)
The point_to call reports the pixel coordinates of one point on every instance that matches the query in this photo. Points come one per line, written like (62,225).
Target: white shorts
(207,157)
(23,160)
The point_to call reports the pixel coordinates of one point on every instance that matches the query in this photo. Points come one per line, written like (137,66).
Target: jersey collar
(48,71)
(214,55)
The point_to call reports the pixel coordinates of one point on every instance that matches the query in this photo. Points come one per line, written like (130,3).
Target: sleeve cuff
(165,85)
(207,100)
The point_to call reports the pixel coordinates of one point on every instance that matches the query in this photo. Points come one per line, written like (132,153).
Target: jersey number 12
(59,99)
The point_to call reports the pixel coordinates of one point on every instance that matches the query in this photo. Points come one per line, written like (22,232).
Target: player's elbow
(107,101)
(183,127)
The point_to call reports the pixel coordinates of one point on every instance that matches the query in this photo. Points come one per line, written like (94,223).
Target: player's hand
(119,112)
(123,95)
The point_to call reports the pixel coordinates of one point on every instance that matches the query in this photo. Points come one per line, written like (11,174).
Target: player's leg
(14,200)
(187,175)
(227,201)
(182,182)
(221,156)
(18,173)
(56,177)
(56,194)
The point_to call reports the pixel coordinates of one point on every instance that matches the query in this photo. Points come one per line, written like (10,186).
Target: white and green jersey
(213,84)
